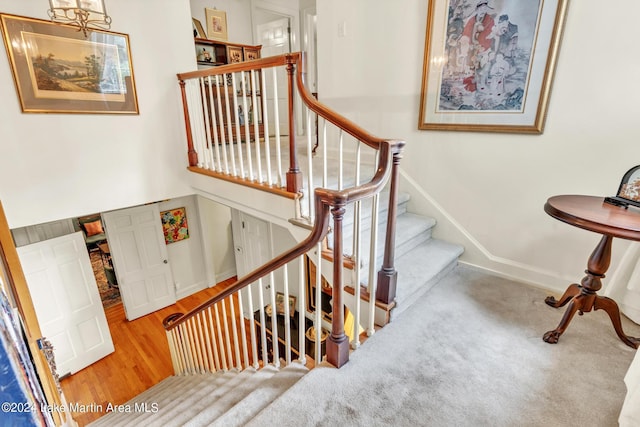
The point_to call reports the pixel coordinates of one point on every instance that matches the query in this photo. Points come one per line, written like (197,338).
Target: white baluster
(220,119)
(210,160)
(276,123)
(243,332)
(256,133)
(373,250)
(310,194)
(325,180)
(192,350)
(214,343)
(247,136)
(252,323)
(340,160)
(202,343)
(302,292)
(274,322)
(357,231)
(237,123)
(287,316)
(172,352)
(196,344)
(234,330)
(227,339)
(317,323)
(265,125)
(214,127)
(223,358)
(207,339)
(263,324)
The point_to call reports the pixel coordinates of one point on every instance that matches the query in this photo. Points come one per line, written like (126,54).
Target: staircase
(220,399)
(234,398)
(249,371)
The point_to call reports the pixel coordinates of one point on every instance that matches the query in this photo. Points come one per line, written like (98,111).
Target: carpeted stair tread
(411,231)
(421,268)
(201,400)
(168,395)
(199,415)
(261,397)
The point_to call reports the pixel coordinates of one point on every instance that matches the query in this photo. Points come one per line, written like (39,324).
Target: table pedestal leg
(583,298)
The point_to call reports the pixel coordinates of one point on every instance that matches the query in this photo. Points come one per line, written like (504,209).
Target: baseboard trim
(504,267)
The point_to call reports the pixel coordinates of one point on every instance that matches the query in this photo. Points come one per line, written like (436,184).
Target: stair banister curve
(387,276)
(327,201)
(196,341)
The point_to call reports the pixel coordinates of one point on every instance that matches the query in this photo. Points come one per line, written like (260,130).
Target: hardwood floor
(141,359)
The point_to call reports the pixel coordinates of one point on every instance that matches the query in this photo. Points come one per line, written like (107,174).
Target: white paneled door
(274,38)
(67,302)
(139,253)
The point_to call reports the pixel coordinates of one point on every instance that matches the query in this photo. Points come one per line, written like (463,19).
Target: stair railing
(222,333)
(232,115)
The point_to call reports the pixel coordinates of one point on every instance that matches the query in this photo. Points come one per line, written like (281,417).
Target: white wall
(238,17)
(56,166)
(218,238)
(486,190)
(186,257)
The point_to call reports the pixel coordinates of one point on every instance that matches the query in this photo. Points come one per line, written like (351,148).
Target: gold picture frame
(198,29)
(216,24)
(489,65)
(57,70)
(280,307)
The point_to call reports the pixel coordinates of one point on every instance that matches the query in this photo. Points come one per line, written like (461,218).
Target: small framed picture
(198,29)
(280,304)
(205,54)
(234,54)
(174,225)
(216,24)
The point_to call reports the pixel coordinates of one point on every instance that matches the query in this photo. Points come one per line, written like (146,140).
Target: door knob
(165,261)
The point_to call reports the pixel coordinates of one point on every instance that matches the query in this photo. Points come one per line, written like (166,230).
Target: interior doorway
(92,230)
(105,276)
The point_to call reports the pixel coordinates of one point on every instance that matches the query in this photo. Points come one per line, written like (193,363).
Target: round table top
(593,214)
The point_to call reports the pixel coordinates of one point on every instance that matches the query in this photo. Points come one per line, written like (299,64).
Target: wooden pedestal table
(591,213)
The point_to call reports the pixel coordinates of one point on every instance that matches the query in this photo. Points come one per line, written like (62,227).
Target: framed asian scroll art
(56,69)
(489,64)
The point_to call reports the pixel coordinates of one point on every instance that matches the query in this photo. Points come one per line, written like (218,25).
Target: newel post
(294,176)
(388,276)
(191,152)
(338,342)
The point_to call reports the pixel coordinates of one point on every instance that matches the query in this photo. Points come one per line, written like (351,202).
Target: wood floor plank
(141,358)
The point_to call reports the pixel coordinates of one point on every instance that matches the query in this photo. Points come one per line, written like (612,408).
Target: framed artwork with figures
(489,64)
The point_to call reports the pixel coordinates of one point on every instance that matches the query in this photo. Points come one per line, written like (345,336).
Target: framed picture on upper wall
(198,30)
(489,64)
(216,24)
(57,70)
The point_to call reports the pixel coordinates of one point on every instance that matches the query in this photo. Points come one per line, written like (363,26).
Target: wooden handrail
(270,61)
(324,200)
(331,116)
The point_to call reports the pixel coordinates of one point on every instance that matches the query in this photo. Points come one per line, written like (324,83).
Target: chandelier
(82,13)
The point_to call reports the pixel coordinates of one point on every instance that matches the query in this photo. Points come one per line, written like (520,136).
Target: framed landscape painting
(57,70)
(489,64)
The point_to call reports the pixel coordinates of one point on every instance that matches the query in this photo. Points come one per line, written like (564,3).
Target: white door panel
(67,302)
(141,261)
(274,38)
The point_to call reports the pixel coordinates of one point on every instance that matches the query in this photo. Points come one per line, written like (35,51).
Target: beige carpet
(469,353)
